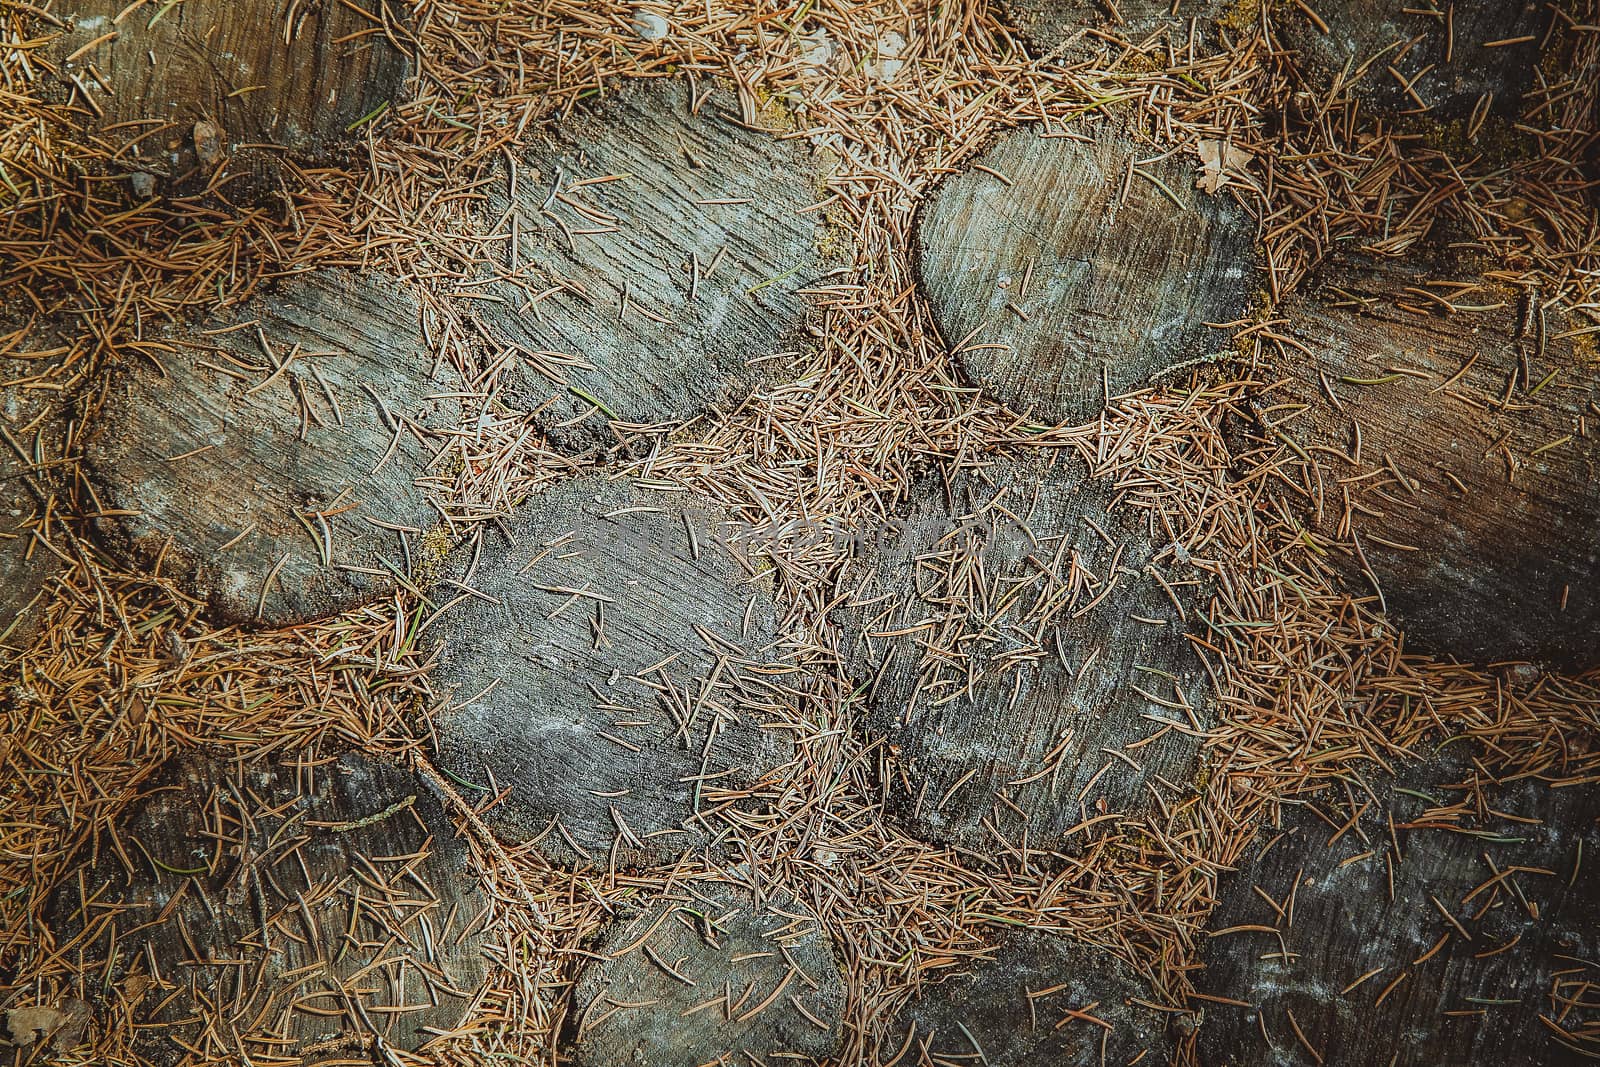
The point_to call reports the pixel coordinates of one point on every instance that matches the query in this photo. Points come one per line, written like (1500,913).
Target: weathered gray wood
(992,1015)
(1475,488)
(1402,890)
(189,85)
(1069,275)
(604,674)
(284,484)
(33,442)
(762,974)
(290,913)
(1440,57)
(1003,644)
(1048,23)
(644,295)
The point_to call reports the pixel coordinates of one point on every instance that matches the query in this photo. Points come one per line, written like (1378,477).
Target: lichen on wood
(275,456)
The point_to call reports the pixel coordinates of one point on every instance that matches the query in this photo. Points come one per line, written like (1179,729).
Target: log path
(187,86)
(1459,448)
(1023,655)
(1066,272)
(657,244)
(712,975)
(276,455)
(1401,925)
(611,672)
(291,912)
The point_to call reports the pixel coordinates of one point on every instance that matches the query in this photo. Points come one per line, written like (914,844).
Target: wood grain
(611,670)
(1047,24)
(1441,58)
(1475,493)
(38,369)
(1027,673)
(762,972)
(294,913)
(1068,276)
(268,75)
(276,457)
(992,1015)
(658,246)
(1363,891)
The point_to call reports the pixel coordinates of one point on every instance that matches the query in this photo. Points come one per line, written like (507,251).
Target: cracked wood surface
(1387,926)
(710,975)
(612,671)
(1401,57)
(1459,448)
(1023,656)
(184,85)
(1063,271)
(276,455)
(1039,998)
(300,912)
(656,245)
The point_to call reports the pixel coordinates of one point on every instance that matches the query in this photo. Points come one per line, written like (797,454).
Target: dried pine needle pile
(1312,687)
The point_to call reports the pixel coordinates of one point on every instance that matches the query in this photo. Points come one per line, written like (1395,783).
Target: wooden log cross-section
(37,368)
(1067,272)
(657,252)
(182,87)
(1022,653)
(292,913)
(1447,443)
(610,674)
(1048,24)
(1413,923)
(710,975)
(275,456)
(1400,56)
(1040,999)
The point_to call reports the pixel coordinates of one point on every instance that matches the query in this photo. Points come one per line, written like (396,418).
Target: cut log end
(603,674)
(656,246)
(254,904)
(1068,275)
(273,455)
(33,454)
(1400,58)
(1025,660)
(710,976)
(1455,453)
(184,87)
(1371,925)
(1048,24)
(1042,999)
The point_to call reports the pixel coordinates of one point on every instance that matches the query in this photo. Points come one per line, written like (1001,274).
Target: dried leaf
(23,1027)
(1219,161)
